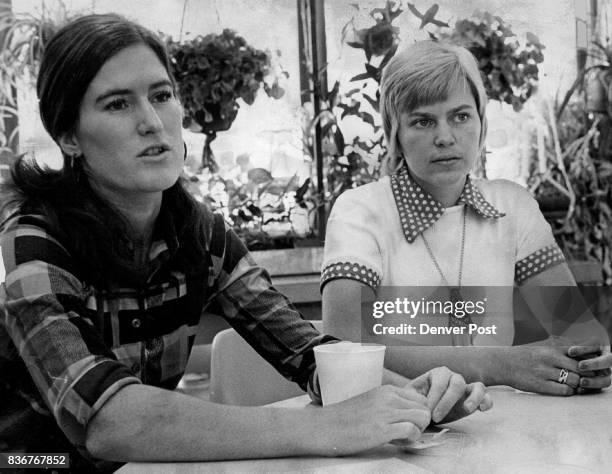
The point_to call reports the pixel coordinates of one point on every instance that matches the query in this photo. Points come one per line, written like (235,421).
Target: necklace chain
(435,262)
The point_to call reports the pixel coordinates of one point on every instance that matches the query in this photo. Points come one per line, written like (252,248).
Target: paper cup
(347,369)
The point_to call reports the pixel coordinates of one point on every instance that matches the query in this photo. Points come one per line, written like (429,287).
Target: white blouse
(373,236)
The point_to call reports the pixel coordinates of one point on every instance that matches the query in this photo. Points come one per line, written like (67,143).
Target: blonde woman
(430,223)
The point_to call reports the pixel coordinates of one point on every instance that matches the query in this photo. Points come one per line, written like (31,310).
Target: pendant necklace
(455,292)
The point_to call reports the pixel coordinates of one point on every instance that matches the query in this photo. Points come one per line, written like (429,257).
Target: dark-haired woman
(109,264)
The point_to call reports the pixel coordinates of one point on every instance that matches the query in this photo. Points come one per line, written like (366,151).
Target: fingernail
(435,416)
(571,352)
(469,407)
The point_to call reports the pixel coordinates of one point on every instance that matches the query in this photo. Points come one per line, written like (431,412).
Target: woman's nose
(149,121)
(444,135)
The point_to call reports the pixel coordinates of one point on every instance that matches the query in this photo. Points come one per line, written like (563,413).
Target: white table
(523,433)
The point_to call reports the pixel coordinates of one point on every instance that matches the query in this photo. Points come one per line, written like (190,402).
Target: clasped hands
(558,366)
(448,396)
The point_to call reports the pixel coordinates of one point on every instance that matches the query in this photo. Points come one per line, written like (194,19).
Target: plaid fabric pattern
(66,347)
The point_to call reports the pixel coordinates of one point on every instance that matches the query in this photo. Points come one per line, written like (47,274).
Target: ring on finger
(563,374)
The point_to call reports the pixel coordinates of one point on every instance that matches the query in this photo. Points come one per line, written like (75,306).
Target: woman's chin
(449,178)
(161,181)
(155,184)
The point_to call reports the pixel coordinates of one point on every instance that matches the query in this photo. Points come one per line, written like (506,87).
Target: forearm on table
(143,423)
(475,364)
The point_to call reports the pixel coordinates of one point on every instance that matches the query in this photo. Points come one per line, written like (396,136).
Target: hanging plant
(213,72)
(381,38)
(509,70)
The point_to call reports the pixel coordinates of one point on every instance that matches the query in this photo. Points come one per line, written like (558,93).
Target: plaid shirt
(66,347)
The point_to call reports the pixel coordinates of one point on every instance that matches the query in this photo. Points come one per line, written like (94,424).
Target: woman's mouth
(446,160)
(154,150)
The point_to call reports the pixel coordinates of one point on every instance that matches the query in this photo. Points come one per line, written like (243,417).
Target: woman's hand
(371,419)
(537,367)
(449,397)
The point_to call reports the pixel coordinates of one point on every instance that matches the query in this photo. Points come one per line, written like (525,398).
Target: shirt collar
(418,210)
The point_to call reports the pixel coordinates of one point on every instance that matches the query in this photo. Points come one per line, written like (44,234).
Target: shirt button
(136,367)
(136,323)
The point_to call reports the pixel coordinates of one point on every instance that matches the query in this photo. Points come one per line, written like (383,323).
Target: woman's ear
(69,144)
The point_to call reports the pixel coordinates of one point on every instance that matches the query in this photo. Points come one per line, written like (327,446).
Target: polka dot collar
(418,210)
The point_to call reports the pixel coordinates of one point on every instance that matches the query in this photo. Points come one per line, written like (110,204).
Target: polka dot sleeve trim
(352,271)
(537,262)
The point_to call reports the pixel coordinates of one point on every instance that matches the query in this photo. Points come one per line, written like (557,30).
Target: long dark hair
(95,233)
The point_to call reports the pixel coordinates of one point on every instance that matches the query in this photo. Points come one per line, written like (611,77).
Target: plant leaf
(360,77)
(373,102)
(355,44)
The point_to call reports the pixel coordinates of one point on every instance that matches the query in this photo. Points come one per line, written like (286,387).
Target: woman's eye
(116,104)
(163,96)
(462,117)
(423,123)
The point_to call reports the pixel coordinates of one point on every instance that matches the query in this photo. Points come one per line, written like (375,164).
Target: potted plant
(509,69)
(213,72)
(575,169)
(581,131)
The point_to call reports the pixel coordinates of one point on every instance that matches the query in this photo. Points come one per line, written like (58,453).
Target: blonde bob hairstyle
(423,74)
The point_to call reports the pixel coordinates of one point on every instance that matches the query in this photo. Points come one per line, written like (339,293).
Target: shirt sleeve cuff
(351,271)
(87,396)
(537,262)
